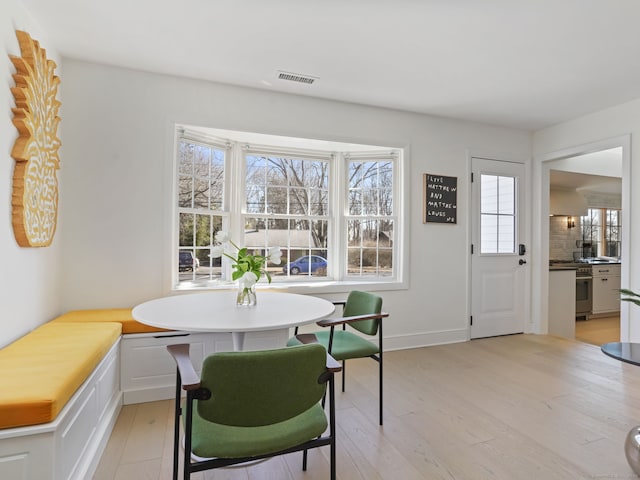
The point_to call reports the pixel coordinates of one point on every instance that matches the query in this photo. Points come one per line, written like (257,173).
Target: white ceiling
(520,63)
(599,172)
(585,183)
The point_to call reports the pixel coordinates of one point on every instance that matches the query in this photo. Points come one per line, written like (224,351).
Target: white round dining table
(217,312)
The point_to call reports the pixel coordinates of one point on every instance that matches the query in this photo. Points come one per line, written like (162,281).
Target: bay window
(332,208)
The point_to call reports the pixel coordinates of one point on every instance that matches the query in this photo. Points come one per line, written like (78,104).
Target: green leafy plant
(629,296)
(247,267)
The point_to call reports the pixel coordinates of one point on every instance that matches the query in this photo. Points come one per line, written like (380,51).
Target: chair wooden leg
(344,373)
(304,460)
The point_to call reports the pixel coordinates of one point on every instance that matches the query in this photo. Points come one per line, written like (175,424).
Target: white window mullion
(237,203)
(338,241)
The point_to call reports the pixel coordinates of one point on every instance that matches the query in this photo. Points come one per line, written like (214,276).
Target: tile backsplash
(562,240)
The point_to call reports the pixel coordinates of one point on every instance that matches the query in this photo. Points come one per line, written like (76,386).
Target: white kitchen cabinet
(606,289)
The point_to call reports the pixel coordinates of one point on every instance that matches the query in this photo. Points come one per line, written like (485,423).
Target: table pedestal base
(245,341)
(238,341)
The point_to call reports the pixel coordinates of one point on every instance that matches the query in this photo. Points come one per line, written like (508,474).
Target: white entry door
(498,258)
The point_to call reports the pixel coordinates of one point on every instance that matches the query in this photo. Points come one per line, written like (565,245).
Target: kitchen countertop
(561,265)
(603,262)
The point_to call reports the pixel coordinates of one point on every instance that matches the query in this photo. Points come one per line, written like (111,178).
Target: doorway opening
(593,171)
(598,331)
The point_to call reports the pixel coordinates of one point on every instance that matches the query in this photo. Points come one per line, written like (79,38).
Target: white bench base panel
(70,447)
(148,373)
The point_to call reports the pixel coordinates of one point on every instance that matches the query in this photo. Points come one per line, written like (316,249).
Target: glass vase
(246,296)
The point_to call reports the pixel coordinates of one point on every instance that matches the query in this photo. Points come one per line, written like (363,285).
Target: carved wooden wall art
(35,182)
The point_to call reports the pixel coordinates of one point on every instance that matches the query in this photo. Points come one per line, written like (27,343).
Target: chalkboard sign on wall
(440,200)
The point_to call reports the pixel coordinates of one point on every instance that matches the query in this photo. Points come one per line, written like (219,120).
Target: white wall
(599,128)
(117,185)
(29,277)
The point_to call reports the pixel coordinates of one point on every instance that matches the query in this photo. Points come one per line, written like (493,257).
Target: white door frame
(540,251)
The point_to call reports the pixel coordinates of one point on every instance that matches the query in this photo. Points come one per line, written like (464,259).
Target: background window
(612,233)
(601,231)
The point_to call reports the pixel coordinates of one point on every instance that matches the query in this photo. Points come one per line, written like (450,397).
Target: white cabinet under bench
(69,447)
(147,371)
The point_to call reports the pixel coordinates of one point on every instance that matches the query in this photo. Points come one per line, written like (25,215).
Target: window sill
(305,288)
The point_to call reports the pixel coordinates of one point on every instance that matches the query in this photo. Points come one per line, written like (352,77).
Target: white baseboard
(403,342)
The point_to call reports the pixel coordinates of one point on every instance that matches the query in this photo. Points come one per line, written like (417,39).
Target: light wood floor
(597,331)
(523,407)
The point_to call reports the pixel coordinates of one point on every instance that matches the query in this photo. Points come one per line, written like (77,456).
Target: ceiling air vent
(296,77)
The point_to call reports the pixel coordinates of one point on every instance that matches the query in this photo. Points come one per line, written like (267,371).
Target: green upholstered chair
(251,405)
(363,312)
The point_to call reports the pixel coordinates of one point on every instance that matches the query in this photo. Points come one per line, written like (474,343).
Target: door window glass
(497,214)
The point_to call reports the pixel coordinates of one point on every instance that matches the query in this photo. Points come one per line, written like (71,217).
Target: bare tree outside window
(200,186)
(613,233)
(591,230)
(602,228)
(293,194)
(370,221)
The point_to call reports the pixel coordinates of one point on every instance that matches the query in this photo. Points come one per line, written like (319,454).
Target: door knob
(522,262)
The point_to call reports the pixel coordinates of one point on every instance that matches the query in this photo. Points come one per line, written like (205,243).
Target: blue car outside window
(306,264)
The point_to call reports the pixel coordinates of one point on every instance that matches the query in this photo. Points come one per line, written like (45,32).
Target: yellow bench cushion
(41,371)
(120,315)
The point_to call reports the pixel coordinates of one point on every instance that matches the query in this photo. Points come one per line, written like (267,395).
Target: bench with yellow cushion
(41,371)
(120,315)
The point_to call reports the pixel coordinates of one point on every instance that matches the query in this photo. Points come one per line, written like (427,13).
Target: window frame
(602,229)
(498,215)
(243,214)
(222,213)
(234,212)
(607,233)
(393,157)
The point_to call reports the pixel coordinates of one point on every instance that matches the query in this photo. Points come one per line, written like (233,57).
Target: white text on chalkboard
(440,199)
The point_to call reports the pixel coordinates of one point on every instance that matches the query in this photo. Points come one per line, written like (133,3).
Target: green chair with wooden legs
(247,406)
(363,312)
